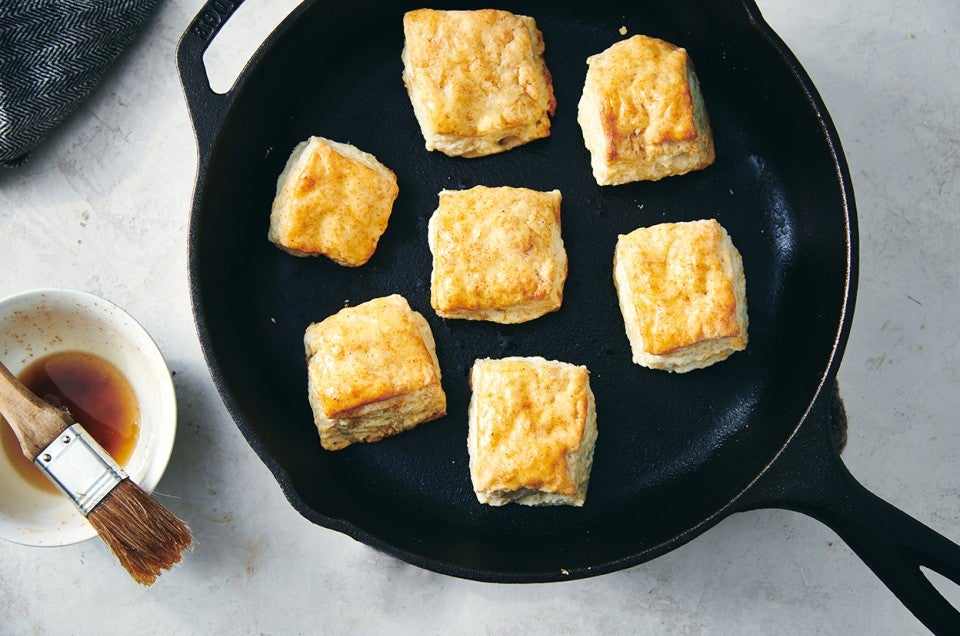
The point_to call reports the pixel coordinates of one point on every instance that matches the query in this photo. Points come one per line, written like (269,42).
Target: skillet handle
(207,108)
(810,477)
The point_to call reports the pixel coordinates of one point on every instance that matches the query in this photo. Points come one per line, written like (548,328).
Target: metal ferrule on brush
(79,467)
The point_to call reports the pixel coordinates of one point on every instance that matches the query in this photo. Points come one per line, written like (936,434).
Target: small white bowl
(36,323)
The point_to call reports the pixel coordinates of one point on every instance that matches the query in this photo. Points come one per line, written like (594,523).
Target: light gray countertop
(103,206)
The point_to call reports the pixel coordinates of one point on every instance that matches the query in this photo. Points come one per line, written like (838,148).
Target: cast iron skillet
(676,453)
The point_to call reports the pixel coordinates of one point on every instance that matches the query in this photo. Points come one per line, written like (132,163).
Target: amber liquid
(98,397)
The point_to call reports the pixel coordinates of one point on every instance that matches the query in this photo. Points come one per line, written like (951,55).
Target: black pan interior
(673,449)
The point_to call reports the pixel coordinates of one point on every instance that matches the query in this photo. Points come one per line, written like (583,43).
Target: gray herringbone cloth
(52,54)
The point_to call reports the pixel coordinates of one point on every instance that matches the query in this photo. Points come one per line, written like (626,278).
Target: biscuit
(682,294)
(372,372)
(477,80)
(497,254)
(642,113)
(532,429)
(332,199)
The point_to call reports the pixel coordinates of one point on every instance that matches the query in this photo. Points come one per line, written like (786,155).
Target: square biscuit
(642,113)
(332,199)
(476,79)
(372,372)
(532,430)
(497,254)
(682,294)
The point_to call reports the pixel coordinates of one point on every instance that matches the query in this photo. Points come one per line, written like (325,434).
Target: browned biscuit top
(477,72)
(530,418)
(644,93)
(682,282)
(496,248)
(368,353)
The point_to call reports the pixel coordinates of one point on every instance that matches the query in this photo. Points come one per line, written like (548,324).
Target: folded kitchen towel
(53,53)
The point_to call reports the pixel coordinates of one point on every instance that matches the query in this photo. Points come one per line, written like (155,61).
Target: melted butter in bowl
(61,343)
(96,394)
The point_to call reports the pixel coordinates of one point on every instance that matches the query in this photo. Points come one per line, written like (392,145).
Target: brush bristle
(143,535)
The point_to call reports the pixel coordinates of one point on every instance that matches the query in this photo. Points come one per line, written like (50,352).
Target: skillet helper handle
(810,477)
(207,107)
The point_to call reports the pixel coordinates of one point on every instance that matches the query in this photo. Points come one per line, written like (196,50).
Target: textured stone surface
(104,205)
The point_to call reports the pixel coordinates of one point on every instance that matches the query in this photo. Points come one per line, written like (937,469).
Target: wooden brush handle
(35,422)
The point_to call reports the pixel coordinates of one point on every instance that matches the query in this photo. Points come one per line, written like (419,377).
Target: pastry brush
(143,535)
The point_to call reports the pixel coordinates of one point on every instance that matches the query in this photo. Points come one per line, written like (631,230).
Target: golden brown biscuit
(372,372)
(682,294)
(642,114)
(532,429)
(476,79)
(332,199)
(497,254)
